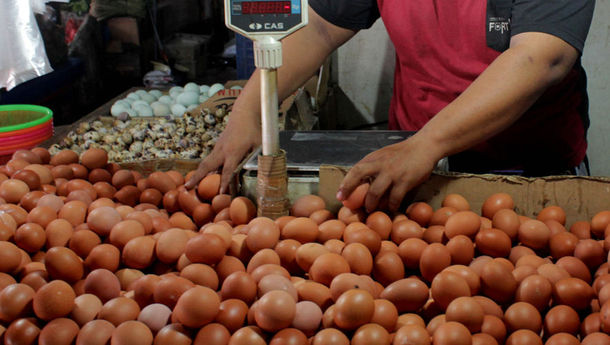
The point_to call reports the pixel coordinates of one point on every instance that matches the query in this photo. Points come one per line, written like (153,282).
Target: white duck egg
(131,112)
(203,98)
(155,93)
(175,91)
(191,87)
(139,102)
(141,93)
(215,88)
(188,98)
(117,108)
(133,96)
(191,107)
(203,89)
(160,109)
(178,109)
(144,110)
(236,87)
(124,103)
(166,99)
(148,98)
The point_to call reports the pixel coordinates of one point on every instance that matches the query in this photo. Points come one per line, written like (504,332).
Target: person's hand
(234,143)
(395,169)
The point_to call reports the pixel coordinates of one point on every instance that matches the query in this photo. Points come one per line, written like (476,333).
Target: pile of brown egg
(93,254)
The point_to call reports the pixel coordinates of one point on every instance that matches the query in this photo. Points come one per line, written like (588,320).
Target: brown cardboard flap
(580,197)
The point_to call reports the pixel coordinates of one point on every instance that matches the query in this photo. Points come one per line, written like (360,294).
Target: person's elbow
(551,56)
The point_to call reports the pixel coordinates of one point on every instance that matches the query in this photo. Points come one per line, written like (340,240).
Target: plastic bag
(22,56)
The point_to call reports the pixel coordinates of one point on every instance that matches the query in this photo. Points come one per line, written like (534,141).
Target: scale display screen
(265,7)
(265,17)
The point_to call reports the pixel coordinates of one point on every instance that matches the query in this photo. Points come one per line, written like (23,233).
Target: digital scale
(266,23)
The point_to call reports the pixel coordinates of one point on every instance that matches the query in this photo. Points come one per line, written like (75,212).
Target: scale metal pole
(272,178)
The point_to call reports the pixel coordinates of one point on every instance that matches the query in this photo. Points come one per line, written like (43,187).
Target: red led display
(265,7)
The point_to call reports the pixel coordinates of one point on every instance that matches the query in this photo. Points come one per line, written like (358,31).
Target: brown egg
(232,314)
(461,249)
(314,292)
(64,157)
(53,300)
(94,158)
(197,306)
(228,265)
(407,294)
(412,334)
(301,229)
(496,202)
(451,333)
(96,332)
(83,241)
(58,232)
(103,256)
(420,212)
(522,315)
(497,282)
(262,233)
(205,248)
(573,292)
(10,257)
(305,205)
(217,334)
(102,219)
(103,284)
(29,177)
(60,331)
(371,334)
(289,336)
(494,243)
(171,244)
(561,318)
(330,336)
(590,252)
(74,212)
(239,285)
(139,252)
(358,257)
(405,229)
(466,311)
(462,223)
(410,252)
(13,190)
(119,310)
(16,302)
(388,268)
(161,181)
(536,290)
(132,333)
(507,220)
(534,234)
(209,187)
(22,331)
(494,326)
(42,153)
(30,237)
(27,155)
(62,263)
(220,202)
(434,258)
(86,308)
(43,173)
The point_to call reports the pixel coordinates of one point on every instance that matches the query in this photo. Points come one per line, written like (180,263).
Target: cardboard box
(580,197)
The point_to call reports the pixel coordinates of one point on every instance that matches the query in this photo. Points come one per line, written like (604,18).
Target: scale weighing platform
(306,151)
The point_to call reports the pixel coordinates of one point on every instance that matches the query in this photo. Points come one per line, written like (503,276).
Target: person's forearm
(303,53)
(500,95)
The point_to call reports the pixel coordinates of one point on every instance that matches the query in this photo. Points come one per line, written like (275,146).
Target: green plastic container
(17,117)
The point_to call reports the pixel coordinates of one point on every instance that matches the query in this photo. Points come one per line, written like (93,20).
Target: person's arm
(303,53)
(494,101)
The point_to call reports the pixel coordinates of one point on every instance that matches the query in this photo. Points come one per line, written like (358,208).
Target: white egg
(166,99)
(128,100)
(132,112)
(178,109)
(160,109)
(203,89)
(155,93)
(191,107)
(133,96)
(175,91)
(203,98)
(139,102)
(143,110)
(236,87)
(148,98)
(215,88)
(191,87)
(188,98)
(117,108)
(124,103)
(141,93)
